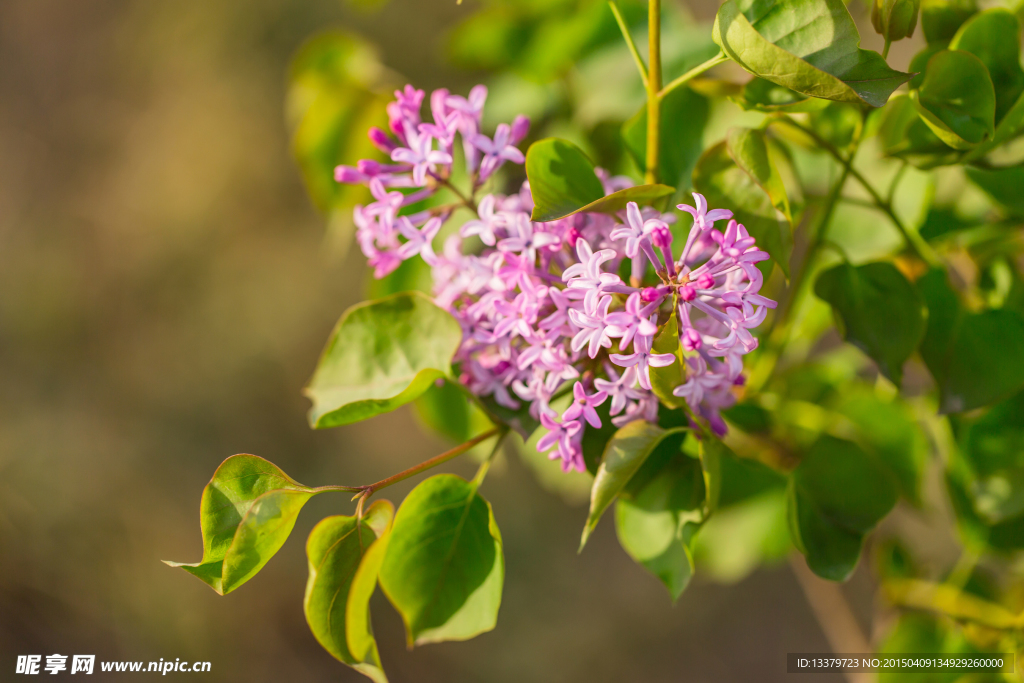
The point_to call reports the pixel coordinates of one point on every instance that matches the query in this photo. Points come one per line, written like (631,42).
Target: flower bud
(894,19)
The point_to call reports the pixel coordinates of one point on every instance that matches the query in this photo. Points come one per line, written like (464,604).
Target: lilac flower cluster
(543,307)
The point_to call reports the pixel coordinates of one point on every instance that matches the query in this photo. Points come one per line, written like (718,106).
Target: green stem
(486,464)
(653,88)
(629,42)
(367,491)
(693,73)
(916,243)
(885,50)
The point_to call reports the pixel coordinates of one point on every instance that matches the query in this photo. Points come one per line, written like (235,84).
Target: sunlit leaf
(810,46)
(381,355)
(994,37)
(562,179)
(337,549)
(623,456)
(956,99)
(444,566)
(656,526)
(246,514)
(667,378)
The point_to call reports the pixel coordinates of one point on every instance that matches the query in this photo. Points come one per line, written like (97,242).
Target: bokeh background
(166,285)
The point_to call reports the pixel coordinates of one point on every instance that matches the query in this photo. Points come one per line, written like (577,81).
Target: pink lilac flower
(541,305)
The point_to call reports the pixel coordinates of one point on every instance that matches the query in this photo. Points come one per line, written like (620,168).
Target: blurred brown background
(164,292)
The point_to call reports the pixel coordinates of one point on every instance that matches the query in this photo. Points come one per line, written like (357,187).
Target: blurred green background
(165,289)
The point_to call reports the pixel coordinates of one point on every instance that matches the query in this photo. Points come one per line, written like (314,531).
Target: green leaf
(1003,185)
(956,99)
(444,567)
(976,358)
(643,195)
(748,147)
(665,379)
(679,146)
(836,495)
(562,179)
(623,456)
(656,527)
(809,46)
(725,184)
(940,19)
(358,630)
(994,37)
(339,548)
(381,355)
(246,513)
(894,19)
(877,310)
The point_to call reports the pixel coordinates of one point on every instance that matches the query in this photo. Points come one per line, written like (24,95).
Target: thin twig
(692,73)
(913,240)
(369,490)
(629,42)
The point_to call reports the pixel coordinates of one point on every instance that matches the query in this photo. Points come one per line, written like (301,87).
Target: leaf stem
(693,73)
(629,42)
(486,464)
(916,243)
(653,89)
(369,490)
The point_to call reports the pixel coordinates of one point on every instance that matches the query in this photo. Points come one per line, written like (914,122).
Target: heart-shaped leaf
(381,355)
(809,46)
(976,358)
(878,311)
(656,526)
(562,179)
(246,514)
(956,99)
(994,37)
(444,567)
(836,495)
(625,453)
(339,549)
(726,185)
